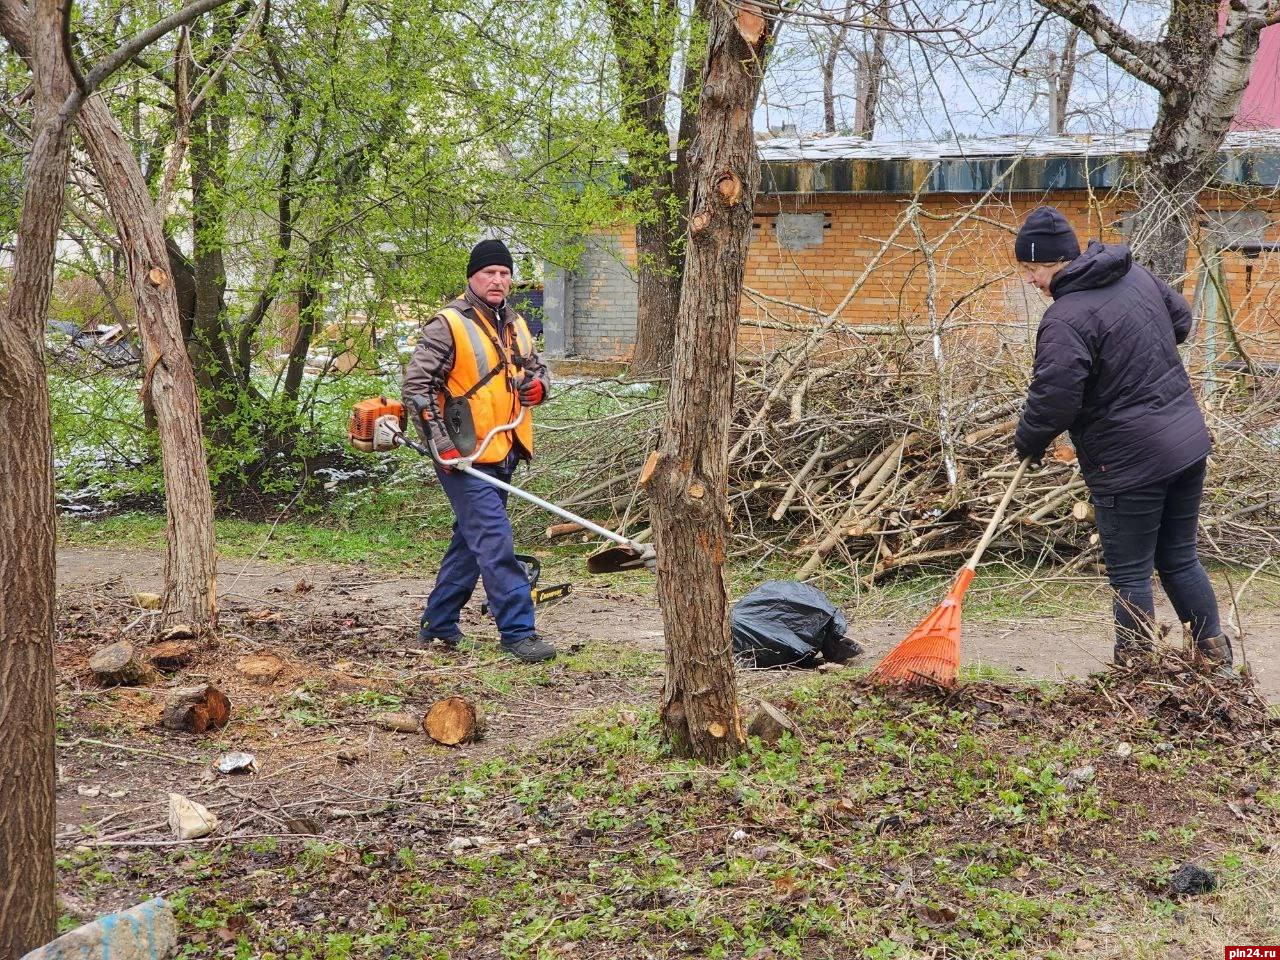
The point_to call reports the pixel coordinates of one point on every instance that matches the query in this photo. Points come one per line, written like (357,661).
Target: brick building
(828,205)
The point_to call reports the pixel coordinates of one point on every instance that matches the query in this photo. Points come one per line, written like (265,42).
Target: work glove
(532,392)
(448,453)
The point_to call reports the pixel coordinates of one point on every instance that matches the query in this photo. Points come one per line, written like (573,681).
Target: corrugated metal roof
(822,164)
(819,147)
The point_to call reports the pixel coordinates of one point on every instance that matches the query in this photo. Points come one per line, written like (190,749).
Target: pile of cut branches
(871,454)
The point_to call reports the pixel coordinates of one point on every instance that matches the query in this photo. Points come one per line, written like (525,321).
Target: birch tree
(1200,73)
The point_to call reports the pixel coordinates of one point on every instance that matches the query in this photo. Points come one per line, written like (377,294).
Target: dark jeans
(1154,527)
(482,547)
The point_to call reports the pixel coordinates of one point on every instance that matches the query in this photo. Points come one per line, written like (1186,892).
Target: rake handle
(990,533)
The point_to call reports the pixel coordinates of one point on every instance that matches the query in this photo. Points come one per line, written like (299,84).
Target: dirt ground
(345,826)
(1039,648)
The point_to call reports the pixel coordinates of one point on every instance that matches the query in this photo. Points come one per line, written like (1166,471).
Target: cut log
(1082,510)
(397,722)
(196,709)
(563,530)
(453,721)
(119,664)
(171,655)
(770,723)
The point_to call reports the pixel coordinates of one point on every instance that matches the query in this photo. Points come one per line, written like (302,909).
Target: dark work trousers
(1154,527)
(482,547)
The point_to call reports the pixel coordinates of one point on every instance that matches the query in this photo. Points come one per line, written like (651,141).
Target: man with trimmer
(1107,369)
(474,371)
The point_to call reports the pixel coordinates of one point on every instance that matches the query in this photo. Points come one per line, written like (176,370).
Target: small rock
(85,791)
(458,843)
(145,932)
(260,667)
(117,794)
(1077,778)
(533,842)
(1164,747)
(238,763)
(1192,880)
(171,655)
(1124,750)
(397,722)
(179,631)
(148,601)
(738,836)
(830,667)
(189,820)
(119,664)
(349,756)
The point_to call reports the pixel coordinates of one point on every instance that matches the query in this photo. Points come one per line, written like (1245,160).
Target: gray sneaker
(532,649)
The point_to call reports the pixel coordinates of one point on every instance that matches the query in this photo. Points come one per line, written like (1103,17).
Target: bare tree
(1200,73)
(1060,74)
(40,33)
(688,476)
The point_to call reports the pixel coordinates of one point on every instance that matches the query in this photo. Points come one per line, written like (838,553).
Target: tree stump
(196,709)
(119,664)
(171,655)
(454,721)
(770,723)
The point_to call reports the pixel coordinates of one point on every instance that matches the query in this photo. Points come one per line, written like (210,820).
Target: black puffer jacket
(1107,369)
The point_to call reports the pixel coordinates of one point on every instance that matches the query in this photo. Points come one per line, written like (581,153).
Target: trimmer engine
(376,423)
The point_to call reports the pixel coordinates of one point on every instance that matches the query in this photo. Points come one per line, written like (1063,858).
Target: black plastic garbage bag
(785,623)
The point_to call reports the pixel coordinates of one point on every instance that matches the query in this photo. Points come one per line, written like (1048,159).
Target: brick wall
(806,251)
(604,297)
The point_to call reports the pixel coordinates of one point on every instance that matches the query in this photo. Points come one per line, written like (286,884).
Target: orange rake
(930,655)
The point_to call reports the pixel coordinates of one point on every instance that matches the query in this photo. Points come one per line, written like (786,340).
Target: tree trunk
(28,537)
(688,483)
(871,79)
(191,557)
(1181,156)
(1201,72)
(644,44)
(168,381)
(1062,77)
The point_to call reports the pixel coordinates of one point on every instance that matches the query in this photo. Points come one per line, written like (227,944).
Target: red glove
(449,453)
(532,392)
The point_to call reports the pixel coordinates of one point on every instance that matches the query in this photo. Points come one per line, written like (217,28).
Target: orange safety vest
(495,402)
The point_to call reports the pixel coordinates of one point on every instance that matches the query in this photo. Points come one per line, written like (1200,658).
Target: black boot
(532,649)
(1216,652)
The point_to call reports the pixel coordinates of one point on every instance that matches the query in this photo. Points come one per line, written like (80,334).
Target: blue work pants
(482,547)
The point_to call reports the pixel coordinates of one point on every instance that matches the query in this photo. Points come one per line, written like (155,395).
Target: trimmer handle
(463,463)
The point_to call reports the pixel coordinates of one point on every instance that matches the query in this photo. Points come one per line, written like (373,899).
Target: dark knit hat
(1046,237)
(489,253)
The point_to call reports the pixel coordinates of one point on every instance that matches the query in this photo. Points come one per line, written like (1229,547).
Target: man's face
(1039,275)
(492,284)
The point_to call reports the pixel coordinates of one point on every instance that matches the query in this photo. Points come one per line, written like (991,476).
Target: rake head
(930,655)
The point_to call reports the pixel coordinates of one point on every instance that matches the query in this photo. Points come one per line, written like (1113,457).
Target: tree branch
(139,42)
(1147,61)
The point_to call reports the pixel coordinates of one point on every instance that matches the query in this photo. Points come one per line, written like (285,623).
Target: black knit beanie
(489,253)
(1046,237)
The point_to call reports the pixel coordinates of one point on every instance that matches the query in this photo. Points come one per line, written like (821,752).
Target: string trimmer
(378,424)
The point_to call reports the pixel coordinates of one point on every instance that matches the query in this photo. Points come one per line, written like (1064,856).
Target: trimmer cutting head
(620,559)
